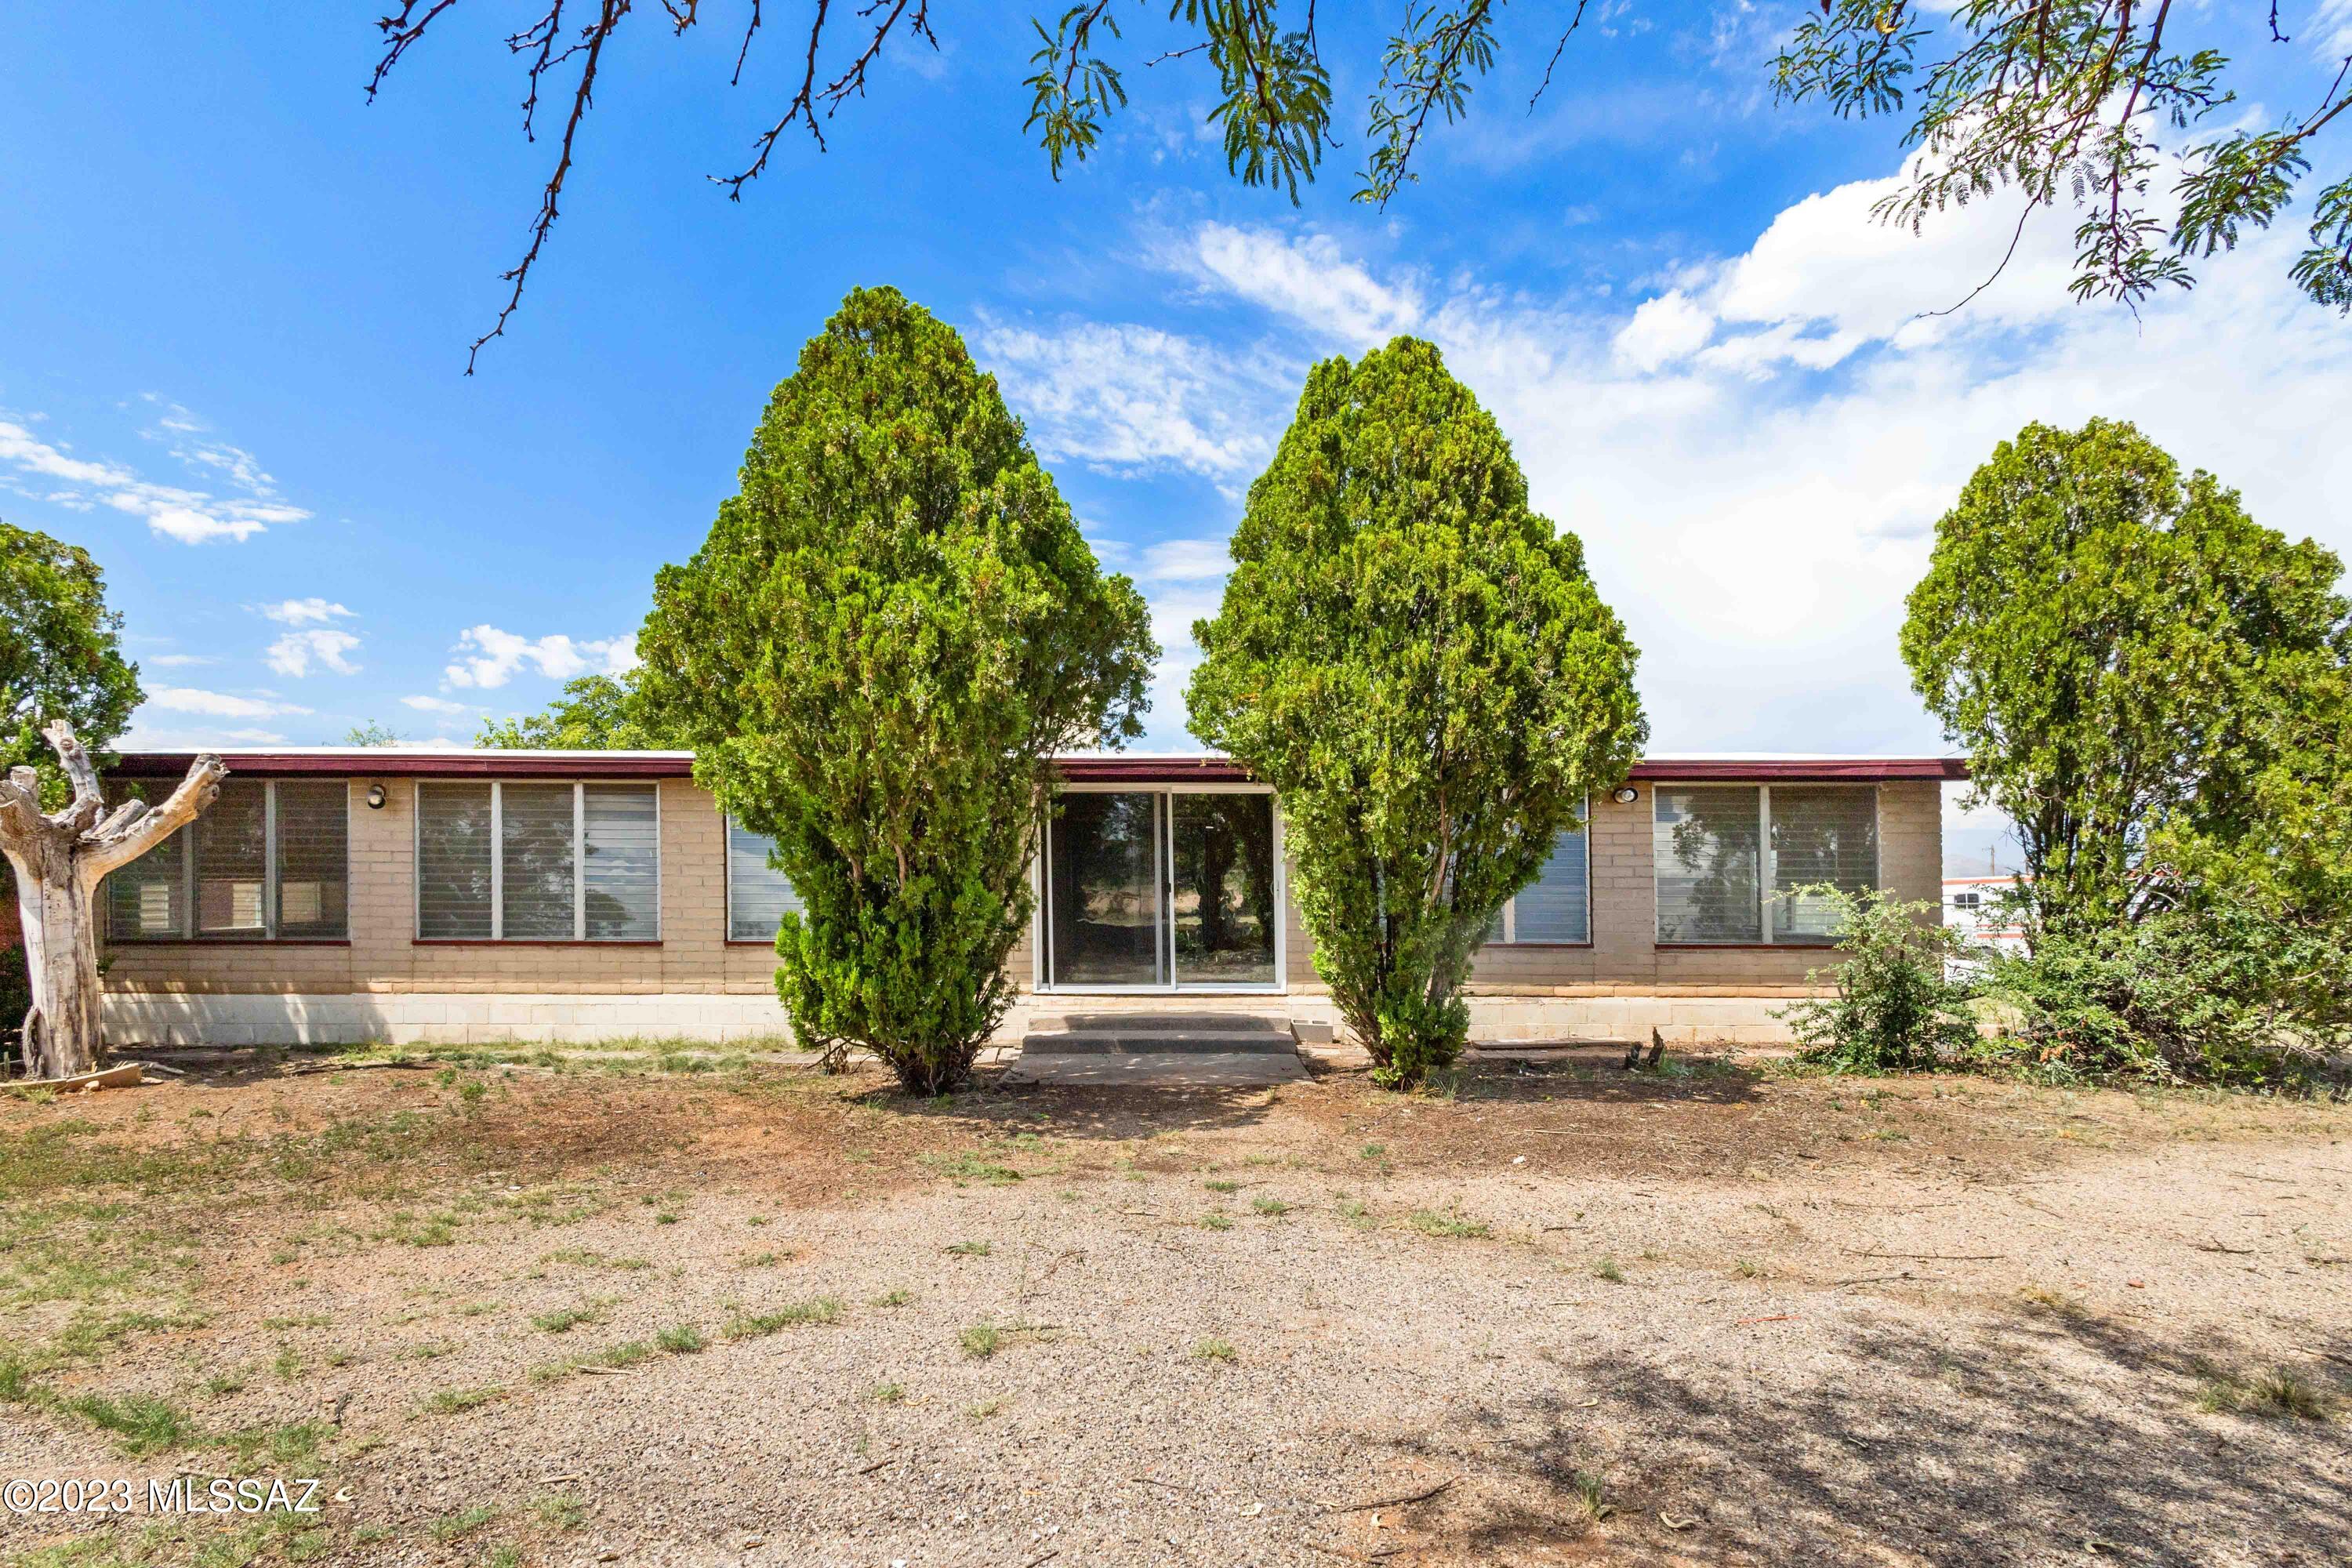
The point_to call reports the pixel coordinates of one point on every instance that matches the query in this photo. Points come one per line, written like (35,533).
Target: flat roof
(1078,767)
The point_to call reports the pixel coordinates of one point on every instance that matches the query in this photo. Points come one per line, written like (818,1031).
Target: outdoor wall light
(375,798)
(1624,795)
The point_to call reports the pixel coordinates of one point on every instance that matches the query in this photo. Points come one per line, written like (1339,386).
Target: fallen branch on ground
(1422,1496)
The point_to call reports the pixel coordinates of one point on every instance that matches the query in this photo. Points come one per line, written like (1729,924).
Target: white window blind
(621,862)
(758,896)
(454,867)
(1556,907)
(268,859)
(539,862)
(1725,854)
(537,837)
(1821,834)
(1706,845)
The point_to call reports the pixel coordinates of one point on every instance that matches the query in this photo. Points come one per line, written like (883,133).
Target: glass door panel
(1103,891)
(1222,904)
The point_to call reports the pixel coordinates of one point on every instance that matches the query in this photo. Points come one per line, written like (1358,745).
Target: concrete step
(1136,1039)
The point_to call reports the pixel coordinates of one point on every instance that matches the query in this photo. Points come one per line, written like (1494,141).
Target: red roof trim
(1112,768)
(1107,768)
(1767,769)
(578,765)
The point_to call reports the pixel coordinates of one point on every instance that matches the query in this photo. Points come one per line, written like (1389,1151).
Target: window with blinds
(1556,907)
(453,863)
(1822,836)
(758,896)
(621,862)
(1706,847)
(539,862)
(269,861)
(1744,862)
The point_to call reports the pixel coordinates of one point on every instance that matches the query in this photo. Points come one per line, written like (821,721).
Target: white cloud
(141,737)
(312,611)
(1308,278)
(178,660)
(1756,499)
(291,654)
(191,517)
(436,705)
(1670,326)
(488,657)
(1187,560)
(218,704)
(1121,397)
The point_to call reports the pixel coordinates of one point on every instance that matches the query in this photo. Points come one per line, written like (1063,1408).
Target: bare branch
(2015,234)
(76,761)
(196,792)
(593,47)
(851,83)
(1558,50)
(401,30)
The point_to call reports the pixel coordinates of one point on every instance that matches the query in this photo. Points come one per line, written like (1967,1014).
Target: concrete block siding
(692,984)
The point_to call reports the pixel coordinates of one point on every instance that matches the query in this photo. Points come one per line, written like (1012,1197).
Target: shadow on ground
(2036,1436)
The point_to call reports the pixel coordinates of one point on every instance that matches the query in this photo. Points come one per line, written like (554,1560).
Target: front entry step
(1162,1037)
(1159,1050)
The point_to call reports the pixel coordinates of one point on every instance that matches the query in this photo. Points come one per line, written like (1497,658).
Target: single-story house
(341,894)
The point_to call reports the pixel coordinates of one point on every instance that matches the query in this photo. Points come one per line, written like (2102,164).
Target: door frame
(1164,868)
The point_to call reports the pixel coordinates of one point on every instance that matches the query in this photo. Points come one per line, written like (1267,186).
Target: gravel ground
(1726,1317)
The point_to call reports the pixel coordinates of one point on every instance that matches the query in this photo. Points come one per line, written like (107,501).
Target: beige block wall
(693,956)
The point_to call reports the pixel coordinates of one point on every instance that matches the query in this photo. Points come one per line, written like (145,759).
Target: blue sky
(234,300)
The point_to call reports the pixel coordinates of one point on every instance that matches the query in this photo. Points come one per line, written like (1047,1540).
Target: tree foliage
(2085,102)
(892,627)
(2133,665)
(60,648)
(595,713)
(2094,102)
(1421,667)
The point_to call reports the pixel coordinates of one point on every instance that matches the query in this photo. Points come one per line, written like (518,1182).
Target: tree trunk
(59,861)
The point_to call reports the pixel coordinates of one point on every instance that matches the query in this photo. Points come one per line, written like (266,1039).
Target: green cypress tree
(892,627)
(2131,660)
(1421,666)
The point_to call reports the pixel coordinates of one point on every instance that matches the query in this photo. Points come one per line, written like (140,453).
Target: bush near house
(1420,665)
(1900,1003)
(892,627)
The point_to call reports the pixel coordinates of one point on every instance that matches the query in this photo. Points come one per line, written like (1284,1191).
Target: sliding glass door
(1161,890)
(1224,908)
(1103,895)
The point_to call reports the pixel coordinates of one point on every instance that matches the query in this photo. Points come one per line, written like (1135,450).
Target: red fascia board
(1793,770)
(1109,768)
(1112,768)
(582,765)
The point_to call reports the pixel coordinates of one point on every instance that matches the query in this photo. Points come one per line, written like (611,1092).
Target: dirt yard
(596,1312)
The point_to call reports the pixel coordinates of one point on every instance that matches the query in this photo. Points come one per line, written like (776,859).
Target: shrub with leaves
(2222,992)
(890,630)
(1901,1002)
(1420,666)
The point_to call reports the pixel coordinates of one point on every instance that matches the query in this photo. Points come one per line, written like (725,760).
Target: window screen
(313,835)
(453,861)
(149,898)
(621,858)
(1706,846)
(218,877)
(230,842)
(1557,906)
(536,862)
(758,896)
(1821,834)
(571,862)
